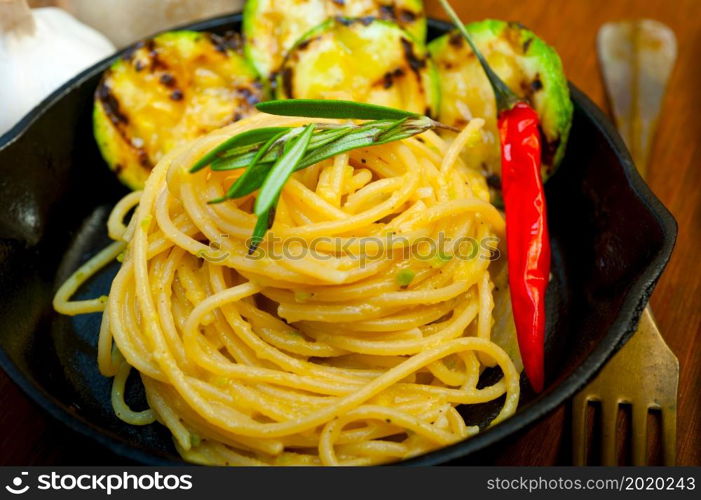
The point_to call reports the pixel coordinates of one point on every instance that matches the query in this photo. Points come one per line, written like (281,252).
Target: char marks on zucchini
(361,59)
(165,91)
(529,66)
(272,27)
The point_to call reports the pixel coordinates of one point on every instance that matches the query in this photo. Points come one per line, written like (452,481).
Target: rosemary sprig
(324,108)
(270,155)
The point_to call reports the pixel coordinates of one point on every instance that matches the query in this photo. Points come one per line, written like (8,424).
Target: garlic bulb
(40,49)
(131,20)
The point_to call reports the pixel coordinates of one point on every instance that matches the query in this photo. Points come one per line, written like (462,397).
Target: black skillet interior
(611,239)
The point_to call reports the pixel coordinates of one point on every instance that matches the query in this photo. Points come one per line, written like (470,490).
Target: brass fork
(636,58)
(644,374)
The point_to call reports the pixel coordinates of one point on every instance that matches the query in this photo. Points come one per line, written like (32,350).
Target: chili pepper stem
(505,98)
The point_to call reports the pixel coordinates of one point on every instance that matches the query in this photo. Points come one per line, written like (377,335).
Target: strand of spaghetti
(104,348)
(330,186)
(377,448)
(470,132)
(62,300)
(120,406)
(116,229)
(322,207)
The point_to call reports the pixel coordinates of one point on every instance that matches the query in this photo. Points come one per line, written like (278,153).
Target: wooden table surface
(30,437)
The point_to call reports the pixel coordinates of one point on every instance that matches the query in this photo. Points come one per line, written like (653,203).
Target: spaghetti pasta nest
(326,346)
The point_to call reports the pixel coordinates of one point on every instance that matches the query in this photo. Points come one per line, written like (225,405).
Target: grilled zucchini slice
(165,91)
(362,59)
(408,14)
(528,65)
(272,27)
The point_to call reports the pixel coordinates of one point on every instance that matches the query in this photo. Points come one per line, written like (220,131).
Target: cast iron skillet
(611,239)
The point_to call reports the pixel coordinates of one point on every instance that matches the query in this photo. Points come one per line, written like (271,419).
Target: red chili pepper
(527,239)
